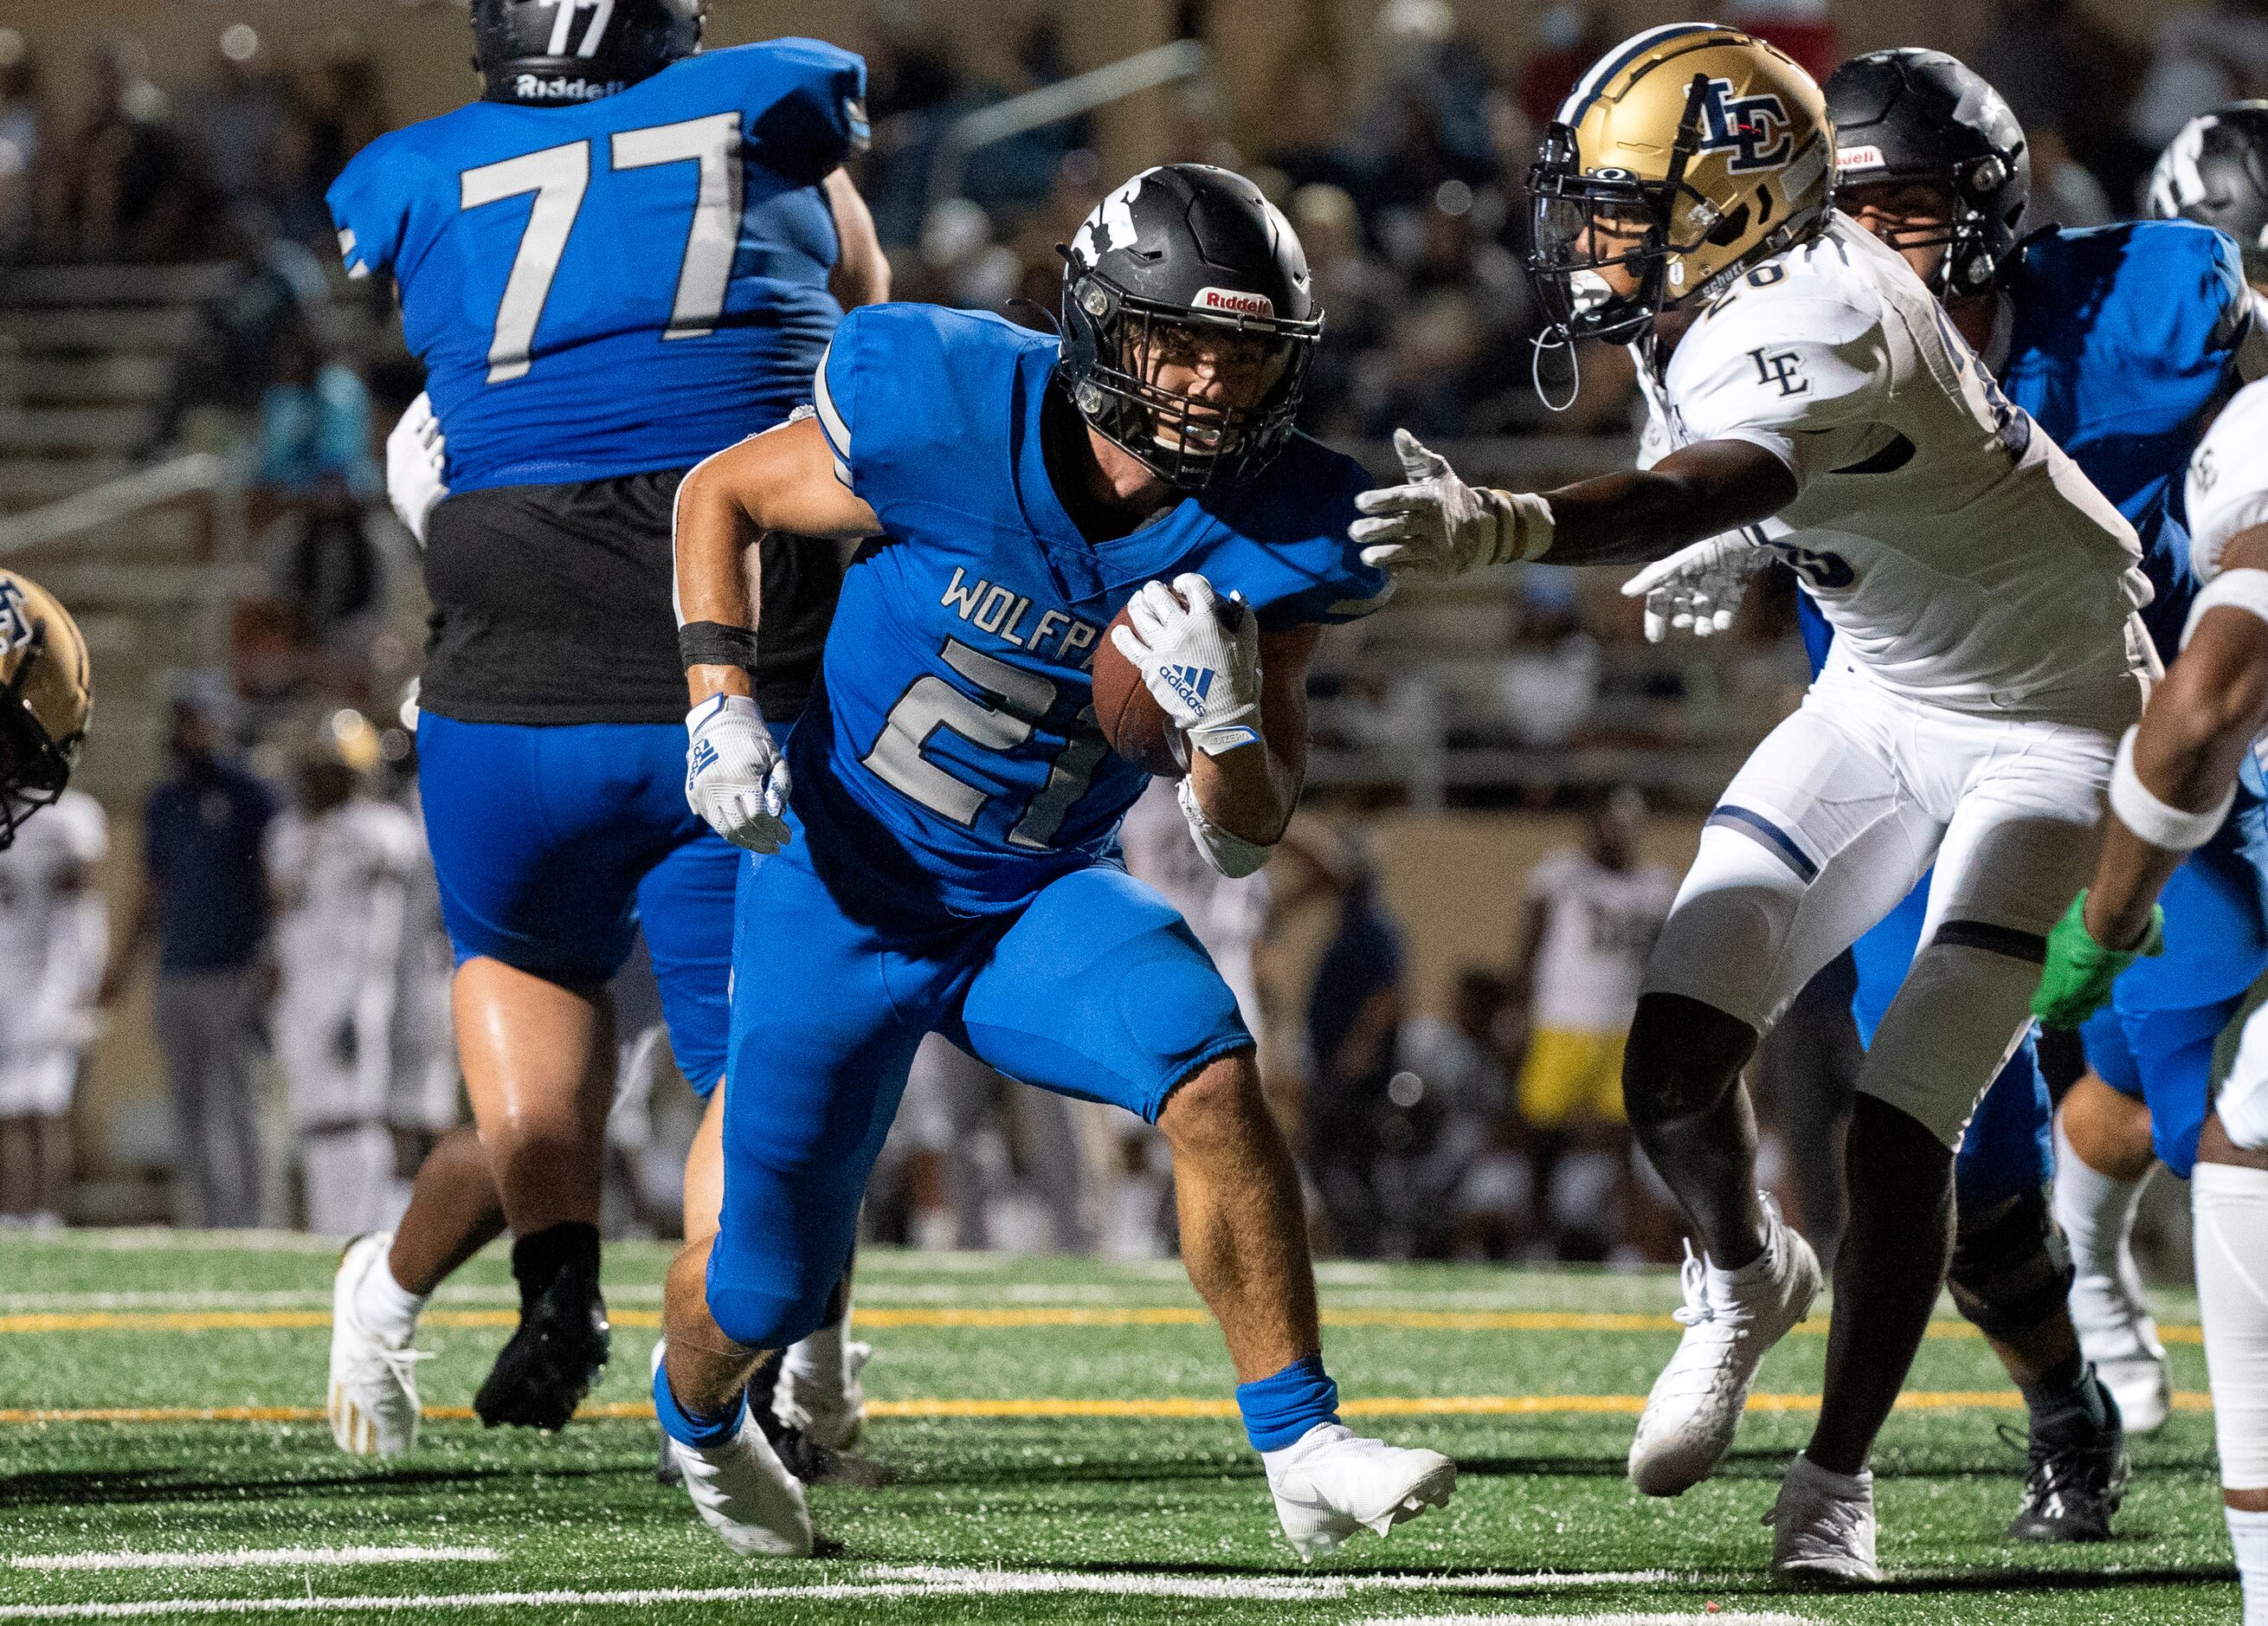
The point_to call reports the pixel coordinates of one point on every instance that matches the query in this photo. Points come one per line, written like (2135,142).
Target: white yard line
(260,1558)
(892,1582)
(1695,1618)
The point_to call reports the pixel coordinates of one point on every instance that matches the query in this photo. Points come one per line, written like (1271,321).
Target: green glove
(2077,978)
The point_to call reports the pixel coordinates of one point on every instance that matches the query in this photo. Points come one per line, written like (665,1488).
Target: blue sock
(1278,1410)
(683,1426)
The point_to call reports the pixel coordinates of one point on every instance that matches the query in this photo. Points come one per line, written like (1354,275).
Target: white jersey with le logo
(1961,557)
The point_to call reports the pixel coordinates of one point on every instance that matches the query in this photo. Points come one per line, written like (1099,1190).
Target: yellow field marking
(884,1316)
(1172,1407)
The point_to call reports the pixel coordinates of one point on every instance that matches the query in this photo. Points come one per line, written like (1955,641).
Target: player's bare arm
(1252,793)
(2201,721)
(862,270)
(782,480)
(1436,525)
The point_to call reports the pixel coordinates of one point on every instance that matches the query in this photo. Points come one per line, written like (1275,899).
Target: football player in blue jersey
(945,814)
(2120,340)
(626,254)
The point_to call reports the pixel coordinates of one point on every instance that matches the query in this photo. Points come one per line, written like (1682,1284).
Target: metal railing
(1167,64)
(101,508)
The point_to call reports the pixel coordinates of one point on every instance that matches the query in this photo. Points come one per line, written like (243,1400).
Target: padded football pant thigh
(1813,842)
(685,909)
(1100,992)
(2021,844)
(827,1015)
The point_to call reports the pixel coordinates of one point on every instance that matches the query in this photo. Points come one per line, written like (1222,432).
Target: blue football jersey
(2123,341)
(951,756)
(615,287)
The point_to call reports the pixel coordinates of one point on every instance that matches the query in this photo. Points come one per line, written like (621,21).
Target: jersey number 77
(561,176)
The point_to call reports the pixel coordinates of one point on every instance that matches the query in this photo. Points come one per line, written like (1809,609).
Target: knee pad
(2230,1206)
(756,1319)
(2011,1271)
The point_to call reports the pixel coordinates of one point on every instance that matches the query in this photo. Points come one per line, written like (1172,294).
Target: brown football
(1131,717)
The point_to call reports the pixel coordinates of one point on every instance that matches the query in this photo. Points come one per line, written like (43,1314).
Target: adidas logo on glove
(1193,684)
(704,757)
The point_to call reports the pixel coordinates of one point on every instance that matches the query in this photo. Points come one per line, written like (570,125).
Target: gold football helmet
(45,692)
(1684,157)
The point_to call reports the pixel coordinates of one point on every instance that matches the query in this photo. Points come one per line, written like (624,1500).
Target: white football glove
(414,456)
(1205,674)
(1437,526)
(734,775)
(1697,588)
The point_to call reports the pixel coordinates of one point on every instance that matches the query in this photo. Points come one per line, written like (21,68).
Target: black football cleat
(557,1354)
(2074,1485)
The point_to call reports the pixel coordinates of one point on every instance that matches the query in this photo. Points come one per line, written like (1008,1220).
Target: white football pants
(1829,825)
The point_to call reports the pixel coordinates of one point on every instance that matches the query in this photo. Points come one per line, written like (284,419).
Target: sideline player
(2120,341)
(1983,596)
(2176,780)
(339,864)
(625,255)
(53,930)
(949,860)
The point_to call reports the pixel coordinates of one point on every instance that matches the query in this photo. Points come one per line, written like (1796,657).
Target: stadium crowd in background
(1470,1131)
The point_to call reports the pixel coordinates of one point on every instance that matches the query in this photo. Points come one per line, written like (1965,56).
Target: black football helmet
(544,52)
(1179,246)
(1911,115)
(2216,172)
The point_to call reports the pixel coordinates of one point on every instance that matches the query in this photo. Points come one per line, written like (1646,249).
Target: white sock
(386,1306)
(2248,1533)
(818,1360)
(2095,1211)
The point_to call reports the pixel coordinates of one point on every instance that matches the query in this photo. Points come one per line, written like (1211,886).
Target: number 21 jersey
(614,287)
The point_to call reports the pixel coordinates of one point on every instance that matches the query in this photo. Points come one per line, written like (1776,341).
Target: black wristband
(712,643)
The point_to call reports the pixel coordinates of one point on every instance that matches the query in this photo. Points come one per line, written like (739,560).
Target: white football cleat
(742,1490)
(1730,1321)
(1823,1526)
(1333,1482)
(2117,1334)
(372,1400)
(834,1415)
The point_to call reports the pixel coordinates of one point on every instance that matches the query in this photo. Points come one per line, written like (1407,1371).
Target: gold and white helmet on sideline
(45,692)
(1687,155)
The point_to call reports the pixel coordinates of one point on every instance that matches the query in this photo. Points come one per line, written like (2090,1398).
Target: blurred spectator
(338,862)
(123,187)
(423,1104)
(237,118)
(23,143)
(54,931)
(1354,1012)
(2203,58)
(1591,918)
(1357,295)
(347,108)
(2067,77)
(272,294)
(987,1162)
(1455,1172)
(314,425)
(1549,685)
(203,898)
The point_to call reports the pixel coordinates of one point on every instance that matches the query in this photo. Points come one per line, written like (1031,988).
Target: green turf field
(1062,1450)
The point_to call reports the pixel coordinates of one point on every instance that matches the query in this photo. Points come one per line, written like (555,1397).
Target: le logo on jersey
(1756,129)
(1783,367)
